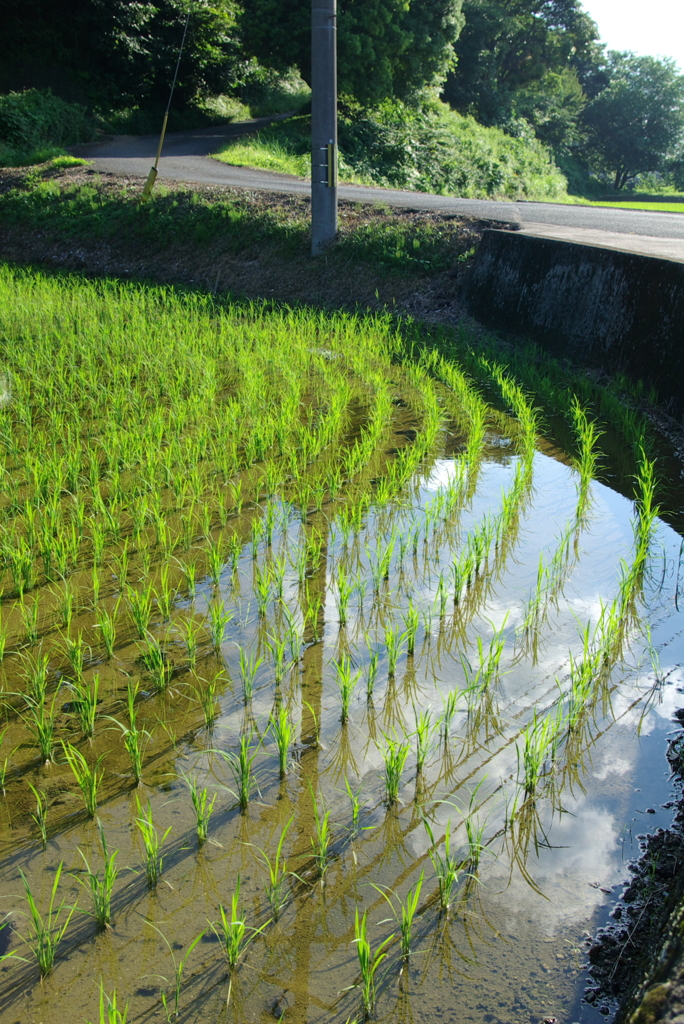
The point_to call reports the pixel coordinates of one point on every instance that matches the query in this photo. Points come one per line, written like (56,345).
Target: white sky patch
(613,766)
(628,25)
(585,853)
(443,472)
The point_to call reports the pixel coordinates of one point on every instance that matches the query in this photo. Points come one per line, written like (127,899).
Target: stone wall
(617,310)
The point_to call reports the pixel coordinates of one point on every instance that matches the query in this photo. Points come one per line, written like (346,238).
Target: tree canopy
(637,121)
(386,48)
(115,52)
(527,50)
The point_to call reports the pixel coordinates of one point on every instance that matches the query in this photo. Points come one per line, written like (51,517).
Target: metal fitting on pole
(323,124)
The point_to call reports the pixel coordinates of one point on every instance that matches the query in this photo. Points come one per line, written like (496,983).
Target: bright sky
(654,28)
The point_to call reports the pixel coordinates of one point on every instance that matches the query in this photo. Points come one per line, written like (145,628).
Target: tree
(115,53)
(637,122)
(508,46)
(386,48)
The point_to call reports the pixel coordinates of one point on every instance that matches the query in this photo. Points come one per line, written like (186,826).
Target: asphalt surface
(186,158)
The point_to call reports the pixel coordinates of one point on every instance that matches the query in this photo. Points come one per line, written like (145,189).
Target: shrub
(35,120)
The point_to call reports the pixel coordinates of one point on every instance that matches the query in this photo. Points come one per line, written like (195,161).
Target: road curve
(186,158)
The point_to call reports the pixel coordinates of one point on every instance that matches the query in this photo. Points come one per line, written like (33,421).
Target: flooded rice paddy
(361,679)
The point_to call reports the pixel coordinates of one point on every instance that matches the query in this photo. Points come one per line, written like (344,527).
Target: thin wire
(180,54)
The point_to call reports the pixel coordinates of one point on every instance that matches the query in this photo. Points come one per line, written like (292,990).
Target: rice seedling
(489,661)
(372,674)
(394,756)
(240,765)
(29,616)
(206,698)
(346,682)
(405,915)
(425,727)
(235,488)
(369,962)
(87,776)
(475,835)
(121,566)
(315,740)
(219,617)
(109,1009)
(40,722)
(156,663)
(394,641)
(100,887)
(76,652)
(231,930)
(321,840)
(202,806)
(106,623)
(276,645)
(140,608)
(448,866)
(172,1005)
(256,537)
(262,588)
(36,675)
(278,569)
(355,805)
(450,702)
(412,623)
(294,635)
(190,574)
(442,595)
(85,704)
(152,841)
(278,874)
(345,588)
(191,631)
(135,739)
(539,740)
(40,814)
(249,666)
(283,733)
(314,604)
(46,930)
(215,560)
(587,434)
(166,595)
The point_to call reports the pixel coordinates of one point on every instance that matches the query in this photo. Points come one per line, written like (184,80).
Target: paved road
(186,158)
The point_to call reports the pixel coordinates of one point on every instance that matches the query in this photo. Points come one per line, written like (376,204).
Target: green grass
(267,155)
(651,205)
(385,241)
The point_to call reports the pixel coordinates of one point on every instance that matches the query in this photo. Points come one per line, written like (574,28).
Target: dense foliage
(386,48)
(114,53)
(428,148)
(638,120)
(36,118)
(535,69)
(513,50)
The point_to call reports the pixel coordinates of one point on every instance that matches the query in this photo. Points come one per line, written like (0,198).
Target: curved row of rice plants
(253,686)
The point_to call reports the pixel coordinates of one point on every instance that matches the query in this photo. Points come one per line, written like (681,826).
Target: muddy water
(511,946)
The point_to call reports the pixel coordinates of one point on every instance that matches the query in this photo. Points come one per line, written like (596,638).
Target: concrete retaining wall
(617,310)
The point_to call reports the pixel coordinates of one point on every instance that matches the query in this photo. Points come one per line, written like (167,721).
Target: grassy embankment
(430,150)
(254,244)
(440,152)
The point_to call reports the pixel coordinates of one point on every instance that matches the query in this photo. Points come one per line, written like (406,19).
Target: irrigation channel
(330,670)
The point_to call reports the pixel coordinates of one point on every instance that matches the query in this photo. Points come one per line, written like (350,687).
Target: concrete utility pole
(323,124)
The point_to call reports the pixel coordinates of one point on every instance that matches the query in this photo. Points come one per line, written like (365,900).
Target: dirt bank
(260,268)
(637,962)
